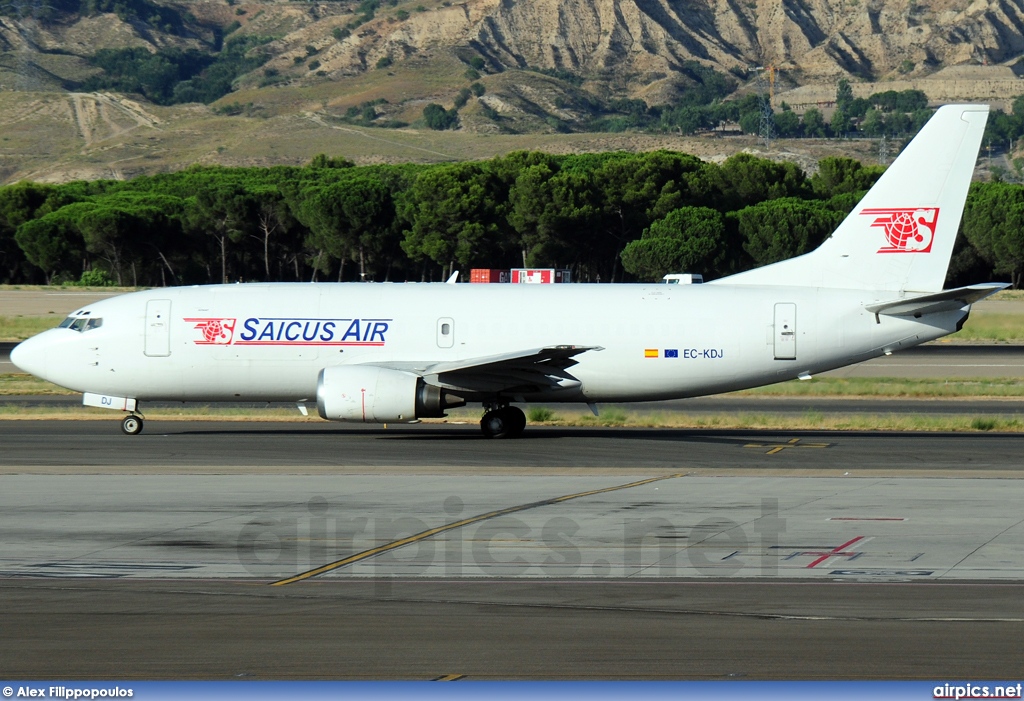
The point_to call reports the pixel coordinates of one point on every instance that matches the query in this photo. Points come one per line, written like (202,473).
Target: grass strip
(893,387)
(18,328)
(991,327)
(21,384)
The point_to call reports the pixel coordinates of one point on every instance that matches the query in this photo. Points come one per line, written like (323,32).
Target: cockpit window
(81,324)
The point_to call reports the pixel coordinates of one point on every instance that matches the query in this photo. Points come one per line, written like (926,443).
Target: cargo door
(445,332)
(785,331)
(158,328)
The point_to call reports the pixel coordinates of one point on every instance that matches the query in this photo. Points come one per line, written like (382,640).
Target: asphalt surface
(6,366)
(55,301)
(393,629)
(207,447)
(897,555)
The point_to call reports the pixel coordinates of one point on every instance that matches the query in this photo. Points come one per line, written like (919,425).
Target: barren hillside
(623,45)
(535,65)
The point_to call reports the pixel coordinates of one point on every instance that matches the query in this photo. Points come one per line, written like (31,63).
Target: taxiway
(270,551)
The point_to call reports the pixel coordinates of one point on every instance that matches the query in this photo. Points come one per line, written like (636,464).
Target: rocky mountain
(508,66)
(811,39)
(622,47)
(638,48)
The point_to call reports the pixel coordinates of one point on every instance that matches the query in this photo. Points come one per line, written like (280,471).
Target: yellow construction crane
(768,74)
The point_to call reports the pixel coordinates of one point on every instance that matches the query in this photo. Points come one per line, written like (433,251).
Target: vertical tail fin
(901,235)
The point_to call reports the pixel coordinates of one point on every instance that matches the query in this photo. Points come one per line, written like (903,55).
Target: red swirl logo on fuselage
(906,230)
(214,332)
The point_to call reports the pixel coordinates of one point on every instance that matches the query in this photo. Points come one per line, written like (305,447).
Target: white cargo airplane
(380,353)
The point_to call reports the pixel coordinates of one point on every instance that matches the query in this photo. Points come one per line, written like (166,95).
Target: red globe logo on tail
(906,230)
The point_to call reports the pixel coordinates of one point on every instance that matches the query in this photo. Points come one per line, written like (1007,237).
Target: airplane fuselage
(263,342)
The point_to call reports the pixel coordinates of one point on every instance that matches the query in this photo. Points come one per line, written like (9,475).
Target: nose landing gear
(503,422)
(132,425)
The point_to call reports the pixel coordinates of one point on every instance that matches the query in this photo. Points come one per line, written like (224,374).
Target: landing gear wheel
(506,422)
(518,420)
(132,425)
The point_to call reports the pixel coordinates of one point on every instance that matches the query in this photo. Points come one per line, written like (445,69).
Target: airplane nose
(28,356)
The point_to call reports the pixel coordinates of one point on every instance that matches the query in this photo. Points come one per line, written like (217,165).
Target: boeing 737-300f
(400,352)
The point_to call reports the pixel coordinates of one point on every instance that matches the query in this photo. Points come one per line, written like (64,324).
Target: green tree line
(609,217)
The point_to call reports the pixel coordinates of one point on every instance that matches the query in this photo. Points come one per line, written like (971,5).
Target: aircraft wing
(532,370)
(945,301)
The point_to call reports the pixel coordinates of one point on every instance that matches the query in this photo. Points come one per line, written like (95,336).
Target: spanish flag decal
(651,353)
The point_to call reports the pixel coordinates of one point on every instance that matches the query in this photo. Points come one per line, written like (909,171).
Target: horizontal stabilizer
(945,301)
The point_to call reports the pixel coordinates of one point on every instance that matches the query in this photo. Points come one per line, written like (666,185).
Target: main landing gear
(132,424)
(503,422)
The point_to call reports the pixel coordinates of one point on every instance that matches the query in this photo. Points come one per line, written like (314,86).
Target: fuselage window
(446,329)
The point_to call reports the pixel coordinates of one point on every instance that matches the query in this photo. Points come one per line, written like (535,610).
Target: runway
(423,630)
(269,551)
(290,529)
(210,447)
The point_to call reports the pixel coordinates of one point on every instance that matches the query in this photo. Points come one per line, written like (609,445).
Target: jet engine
(372,394)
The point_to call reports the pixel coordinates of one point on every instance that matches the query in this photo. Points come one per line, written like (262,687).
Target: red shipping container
(488,275)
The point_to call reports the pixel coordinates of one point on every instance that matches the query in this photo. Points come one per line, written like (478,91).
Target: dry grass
(809,421)
(894,387)
(1008,296)
(39,138)
(992,327)
(845,387)
(18,328)
(848,388)
(68,288)
(613,419)
(20,384)
(11,412)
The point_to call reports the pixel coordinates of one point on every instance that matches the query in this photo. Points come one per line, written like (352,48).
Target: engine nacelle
(372,394)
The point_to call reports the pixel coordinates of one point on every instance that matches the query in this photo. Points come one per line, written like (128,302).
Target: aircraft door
(785,331)
(445,332)
(158,328)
